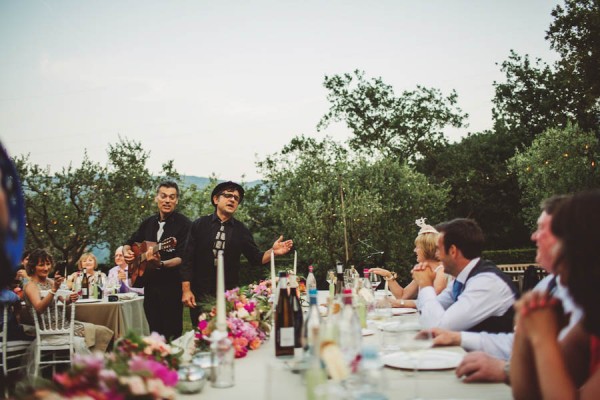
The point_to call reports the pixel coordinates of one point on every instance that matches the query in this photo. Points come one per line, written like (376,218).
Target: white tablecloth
(251,380)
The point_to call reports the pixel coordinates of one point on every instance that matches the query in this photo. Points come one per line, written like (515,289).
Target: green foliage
(559,161)
(90,205)
(405,127)
(574,34)
(382,200)
(511,256)
(481,187)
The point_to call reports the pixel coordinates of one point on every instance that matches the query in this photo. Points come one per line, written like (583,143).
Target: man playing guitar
(162,292)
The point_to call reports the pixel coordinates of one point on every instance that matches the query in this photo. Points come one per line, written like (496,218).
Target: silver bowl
(191,379)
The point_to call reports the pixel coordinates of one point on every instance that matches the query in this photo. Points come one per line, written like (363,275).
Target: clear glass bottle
(311,329)
(311,281)
(350,337)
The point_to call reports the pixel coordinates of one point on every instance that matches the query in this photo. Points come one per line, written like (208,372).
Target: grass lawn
(187,324)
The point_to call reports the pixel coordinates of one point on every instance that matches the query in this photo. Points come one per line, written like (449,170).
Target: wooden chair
(54,329)
(12,351)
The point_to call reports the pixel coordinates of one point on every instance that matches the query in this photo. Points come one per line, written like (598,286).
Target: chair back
(11,349)
(56,325)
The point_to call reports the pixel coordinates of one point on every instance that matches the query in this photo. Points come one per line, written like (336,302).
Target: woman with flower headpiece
(425,248)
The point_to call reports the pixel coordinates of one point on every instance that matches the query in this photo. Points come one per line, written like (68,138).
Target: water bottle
(371,383)
(350,331)
(311,281)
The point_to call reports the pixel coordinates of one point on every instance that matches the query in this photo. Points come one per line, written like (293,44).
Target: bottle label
(84,291)
(286,337)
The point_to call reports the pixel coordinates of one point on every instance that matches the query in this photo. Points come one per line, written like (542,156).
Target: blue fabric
(457,289)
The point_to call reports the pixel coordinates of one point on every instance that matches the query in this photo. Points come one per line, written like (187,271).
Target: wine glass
(330,276)
(375,280)
(413,339)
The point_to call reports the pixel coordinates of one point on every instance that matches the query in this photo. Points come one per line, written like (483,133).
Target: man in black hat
(162,291)
(220,232)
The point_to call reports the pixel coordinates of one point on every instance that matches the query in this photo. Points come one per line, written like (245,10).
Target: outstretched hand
(280,247)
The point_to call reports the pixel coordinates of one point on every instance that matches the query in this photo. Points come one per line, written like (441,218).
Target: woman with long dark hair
(541,365)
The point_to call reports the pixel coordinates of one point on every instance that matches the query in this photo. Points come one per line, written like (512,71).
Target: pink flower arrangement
(248,313)
(138,367)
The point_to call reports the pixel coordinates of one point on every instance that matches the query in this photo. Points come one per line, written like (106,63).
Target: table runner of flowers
(138,368)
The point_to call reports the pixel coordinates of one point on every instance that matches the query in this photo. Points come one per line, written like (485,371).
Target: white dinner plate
(367,332)
(428,360)
(403,310)
(82,301)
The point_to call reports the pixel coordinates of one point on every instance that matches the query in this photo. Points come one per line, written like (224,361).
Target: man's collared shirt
(485,295)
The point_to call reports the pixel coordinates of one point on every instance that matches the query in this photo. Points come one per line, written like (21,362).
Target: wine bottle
(311,281)
(339,282)
(298,315)
(85,287)
(284,321)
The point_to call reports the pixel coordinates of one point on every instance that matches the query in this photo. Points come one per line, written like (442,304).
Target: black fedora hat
(221,187)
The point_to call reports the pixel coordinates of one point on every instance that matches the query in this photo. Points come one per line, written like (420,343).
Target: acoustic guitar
(140,263)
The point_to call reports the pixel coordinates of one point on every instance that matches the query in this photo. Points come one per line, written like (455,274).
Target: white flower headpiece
(424,227)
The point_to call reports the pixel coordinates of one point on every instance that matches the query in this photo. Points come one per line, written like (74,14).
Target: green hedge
(511,256)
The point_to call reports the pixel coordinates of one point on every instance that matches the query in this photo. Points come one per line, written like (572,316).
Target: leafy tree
(559,161)
(481,186)
(406,127)
(90,205)
(382,199)
(574,34)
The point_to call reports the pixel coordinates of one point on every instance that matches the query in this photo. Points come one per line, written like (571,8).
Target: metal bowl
(191,379)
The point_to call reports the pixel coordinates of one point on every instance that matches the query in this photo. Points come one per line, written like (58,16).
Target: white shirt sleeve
(485,295)
(498,345)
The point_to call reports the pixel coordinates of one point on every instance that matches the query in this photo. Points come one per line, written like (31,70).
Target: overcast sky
(217,85)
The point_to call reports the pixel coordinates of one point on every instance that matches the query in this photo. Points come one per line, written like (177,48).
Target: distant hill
(202,182)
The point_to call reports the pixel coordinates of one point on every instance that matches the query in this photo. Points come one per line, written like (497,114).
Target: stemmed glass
(375,280)
(413,339)
(330,276)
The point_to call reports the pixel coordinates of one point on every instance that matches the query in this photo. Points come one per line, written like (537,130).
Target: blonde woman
(87,264)
(425,249)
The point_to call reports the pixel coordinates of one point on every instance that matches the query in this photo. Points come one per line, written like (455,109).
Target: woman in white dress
(425,249)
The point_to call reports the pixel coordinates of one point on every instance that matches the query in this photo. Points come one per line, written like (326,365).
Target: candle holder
(222,356)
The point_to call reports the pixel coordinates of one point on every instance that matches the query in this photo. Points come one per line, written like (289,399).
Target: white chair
(11,350)
(54,330)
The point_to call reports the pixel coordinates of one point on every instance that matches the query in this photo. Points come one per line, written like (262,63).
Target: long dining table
(260,375)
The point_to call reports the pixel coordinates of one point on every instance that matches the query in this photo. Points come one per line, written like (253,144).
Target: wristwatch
(391,276)
(507,372)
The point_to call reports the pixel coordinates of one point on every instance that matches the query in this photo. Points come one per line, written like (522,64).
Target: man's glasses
(231,196)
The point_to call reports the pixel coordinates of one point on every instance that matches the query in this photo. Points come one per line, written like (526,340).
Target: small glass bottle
(222,357)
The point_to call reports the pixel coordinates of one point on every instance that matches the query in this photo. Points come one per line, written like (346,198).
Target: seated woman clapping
(425,249)
(39,266)
(541,365)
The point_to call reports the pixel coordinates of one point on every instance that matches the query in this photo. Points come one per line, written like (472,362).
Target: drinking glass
(413,339)
(348,279)
(375,280)
(331,276)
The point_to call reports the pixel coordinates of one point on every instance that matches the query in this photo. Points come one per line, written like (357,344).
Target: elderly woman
(87,264)
(39,267)
(541,365)
(425,249)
